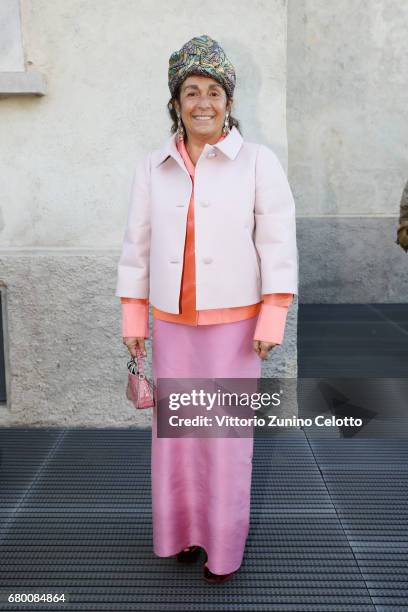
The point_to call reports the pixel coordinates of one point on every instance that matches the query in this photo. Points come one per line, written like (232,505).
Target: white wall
(348,146)
(68,159)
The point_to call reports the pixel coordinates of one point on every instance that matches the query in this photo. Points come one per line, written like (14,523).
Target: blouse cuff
(272,317)
(135,319)
(278,299)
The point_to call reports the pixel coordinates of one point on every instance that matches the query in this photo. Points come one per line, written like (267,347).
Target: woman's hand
(133,344)
(261,348)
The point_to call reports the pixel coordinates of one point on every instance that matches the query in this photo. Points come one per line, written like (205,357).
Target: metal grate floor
(353,340)
(329,528)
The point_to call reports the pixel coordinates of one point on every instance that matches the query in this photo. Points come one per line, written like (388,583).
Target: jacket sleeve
(133,266)
(275,226)
(271,321)
(135,318)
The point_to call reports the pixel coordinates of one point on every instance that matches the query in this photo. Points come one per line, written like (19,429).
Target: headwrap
(201,55)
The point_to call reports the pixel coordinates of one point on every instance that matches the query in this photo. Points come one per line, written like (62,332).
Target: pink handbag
(139,390)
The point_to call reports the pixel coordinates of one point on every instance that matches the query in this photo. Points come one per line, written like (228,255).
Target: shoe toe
(216,578)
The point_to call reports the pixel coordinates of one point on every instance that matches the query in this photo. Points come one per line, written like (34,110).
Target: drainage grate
(328,530)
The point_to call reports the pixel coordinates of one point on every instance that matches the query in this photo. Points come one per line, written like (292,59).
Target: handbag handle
(135,364)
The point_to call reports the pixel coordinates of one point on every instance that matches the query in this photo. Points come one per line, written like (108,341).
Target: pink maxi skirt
(201,487)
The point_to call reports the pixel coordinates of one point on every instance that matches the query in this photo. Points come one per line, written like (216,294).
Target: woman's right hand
(132,345)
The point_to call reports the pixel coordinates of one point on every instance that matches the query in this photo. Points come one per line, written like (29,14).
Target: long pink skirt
(201,486)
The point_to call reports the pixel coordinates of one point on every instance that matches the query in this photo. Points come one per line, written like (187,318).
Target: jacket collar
(230,146)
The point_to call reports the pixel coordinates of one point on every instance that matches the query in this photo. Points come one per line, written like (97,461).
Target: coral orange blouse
(272,311)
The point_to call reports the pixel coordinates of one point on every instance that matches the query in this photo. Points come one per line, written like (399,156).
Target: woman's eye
(214,94)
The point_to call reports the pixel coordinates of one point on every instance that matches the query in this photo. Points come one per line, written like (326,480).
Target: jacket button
(174,260)
(204,203)
(207,260)
(180,205)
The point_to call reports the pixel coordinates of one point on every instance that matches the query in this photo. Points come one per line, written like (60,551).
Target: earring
(226,128)
(180,128)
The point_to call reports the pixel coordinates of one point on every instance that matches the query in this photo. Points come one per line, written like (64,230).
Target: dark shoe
(215,578)
(190,555)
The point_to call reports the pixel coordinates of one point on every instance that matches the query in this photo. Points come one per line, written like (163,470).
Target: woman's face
(203,104)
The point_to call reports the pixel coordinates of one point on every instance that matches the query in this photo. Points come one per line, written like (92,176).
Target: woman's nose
(204,102)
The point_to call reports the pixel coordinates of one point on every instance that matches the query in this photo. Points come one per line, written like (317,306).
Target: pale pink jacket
(273,206)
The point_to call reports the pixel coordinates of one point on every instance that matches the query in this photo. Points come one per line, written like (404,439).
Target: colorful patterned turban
(201,55)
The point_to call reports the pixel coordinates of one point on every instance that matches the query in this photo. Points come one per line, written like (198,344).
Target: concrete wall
(347,119)
(11,49)
(68,159)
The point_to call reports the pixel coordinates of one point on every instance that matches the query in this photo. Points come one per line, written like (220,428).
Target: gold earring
(180,128)
(226,128)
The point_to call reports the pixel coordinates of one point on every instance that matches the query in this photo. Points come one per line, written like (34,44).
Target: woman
(211,243)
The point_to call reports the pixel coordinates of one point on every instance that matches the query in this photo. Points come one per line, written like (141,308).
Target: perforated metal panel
(326,532)
(356,340)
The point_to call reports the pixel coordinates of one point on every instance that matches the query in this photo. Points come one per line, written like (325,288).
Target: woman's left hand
(262,348)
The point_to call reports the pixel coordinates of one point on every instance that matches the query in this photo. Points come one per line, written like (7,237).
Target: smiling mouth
(202,118)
